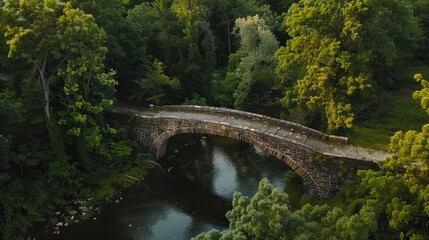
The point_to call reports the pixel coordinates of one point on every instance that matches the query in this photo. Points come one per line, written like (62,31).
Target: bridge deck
(264,126)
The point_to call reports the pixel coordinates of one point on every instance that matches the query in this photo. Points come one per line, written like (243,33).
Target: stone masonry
(322,165)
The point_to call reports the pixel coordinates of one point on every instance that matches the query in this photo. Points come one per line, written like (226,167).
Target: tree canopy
(392,202)
(339,50)
(68,61)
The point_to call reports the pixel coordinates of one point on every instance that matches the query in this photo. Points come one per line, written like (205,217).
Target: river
(190,194)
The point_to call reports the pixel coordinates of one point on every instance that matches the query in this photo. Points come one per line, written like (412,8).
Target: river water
(190,194)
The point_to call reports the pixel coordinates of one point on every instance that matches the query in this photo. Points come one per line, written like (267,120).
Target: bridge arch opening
(162,142)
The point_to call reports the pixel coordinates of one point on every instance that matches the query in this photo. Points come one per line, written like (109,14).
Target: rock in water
(72,212)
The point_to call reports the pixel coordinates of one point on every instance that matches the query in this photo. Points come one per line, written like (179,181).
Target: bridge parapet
(234,112)
(322,166)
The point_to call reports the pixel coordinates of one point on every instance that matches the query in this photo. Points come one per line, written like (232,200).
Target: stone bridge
(321,163)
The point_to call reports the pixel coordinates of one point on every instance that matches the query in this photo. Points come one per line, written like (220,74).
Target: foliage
(109,15)
(29,32)
(293,188)
(55,131)
(109,186)
(199,58)
(397,112)
(223,14)
(88,90)
(268,216)
(342,55)
(423,94)
(399,191)
(154,87)
(392,201)
(421,11)
(223,88)
(257,47)
(195,100)
(69,60)
(11,109)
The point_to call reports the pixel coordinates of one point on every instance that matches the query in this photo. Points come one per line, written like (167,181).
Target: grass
(396,111)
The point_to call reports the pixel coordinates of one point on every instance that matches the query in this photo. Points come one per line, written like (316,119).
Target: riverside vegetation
(342,66)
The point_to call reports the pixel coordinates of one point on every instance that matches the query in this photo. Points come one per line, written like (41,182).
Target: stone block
(338,139)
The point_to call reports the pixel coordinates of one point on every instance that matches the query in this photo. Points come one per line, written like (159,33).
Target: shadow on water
(190,196)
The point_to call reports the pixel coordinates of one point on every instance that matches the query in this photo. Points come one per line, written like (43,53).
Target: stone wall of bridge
(323,174)
(243,114)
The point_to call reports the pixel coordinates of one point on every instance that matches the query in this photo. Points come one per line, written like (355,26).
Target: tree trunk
(228,22)
(55,139)
(45,87)
(229,37)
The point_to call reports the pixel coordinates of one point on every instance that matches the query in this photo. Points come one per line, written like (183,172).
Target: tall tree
(267,215)
(88,88)
(199,43)
(222,15)
(256,53)
(109,15)
(30,31)
(340,49)
(421,11)
(400,190)
(74,64)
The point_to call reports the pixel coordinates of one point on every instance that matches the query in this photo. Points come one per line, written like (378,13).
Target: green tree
(109,15)
(399,190)
(265,216)
(88,89)
(11,112)
(223,15)
(268,216)
(176,34)
(57,94)
(421,11)
(154,88)
(29,29)
(340,49)
(223,87)
(169,41)
(198,64)
(256,53)
(128,28)
(392,202)
(74,65)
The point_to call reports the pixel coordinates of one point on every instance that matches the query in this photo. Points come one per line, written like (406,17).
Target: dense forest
(334,65)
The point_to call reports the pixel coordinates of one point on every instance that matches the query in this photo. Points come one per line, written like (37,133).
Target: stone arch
(159,149)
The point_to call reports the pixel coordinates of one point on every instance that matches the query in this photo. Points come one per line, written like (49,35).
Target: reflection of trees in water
(172,195)
(250,166)
(191,170)
(159,219)
(196,161)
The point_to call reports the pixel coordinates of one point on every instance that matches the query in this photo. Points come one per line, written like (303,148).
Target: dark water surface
(191,195)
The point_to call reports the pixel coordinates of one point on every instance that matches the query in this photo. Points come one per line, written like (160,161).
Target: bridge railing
(234,112)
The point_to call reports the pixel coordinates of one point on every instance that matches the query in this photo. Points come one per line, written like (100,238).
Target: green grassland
(396,111)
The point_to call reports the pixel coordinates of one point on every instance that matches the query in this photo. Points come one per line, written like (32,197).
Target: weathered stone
(84,209)
(338,139)
(305,150)
(72,212)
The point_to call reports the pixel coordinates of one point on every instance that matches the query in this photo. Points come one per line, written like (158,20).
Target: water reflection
(225,174)
(225,166)
(191,197)
(165,222)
